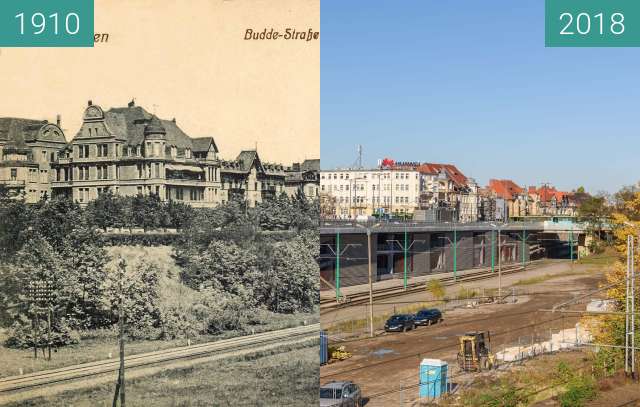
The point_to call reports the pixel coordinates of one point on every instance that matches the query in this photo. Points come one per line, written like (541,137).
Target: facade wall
(363,192)
(429,253)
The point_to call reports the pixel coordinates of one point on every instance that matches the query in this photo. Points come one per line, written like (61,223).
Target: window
(83,173)
(83,151)
(179,194)
(83,194)
(14,174)
(103,150)
(157,170)
(139,190)
(157,190)
(44,155)
(139,166)
(103,172)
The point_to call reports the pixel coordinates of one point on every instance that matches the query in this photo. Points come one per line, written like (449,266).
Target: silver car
(340,394)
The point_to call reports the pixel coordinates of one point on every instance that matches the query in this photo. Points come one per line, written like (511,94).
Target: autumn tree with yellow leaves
(625,221)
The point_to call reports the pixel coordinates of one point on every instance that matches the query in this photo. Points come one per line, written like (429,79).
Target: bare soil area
(387,366)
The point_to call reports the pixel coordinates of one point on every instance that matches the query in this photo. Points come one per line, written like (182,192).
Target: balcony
(13,183)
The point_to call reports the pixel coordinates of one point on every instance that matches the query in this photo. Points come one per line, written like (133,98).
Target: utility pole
(524,238)
(493,251)
(630,347)
(370,283)
(405,249)
(499,266)
(120,386)
(455,248)
(338,266)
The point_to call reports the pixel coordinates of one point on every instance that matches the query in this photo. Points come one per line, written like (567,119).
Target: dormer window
(187,153)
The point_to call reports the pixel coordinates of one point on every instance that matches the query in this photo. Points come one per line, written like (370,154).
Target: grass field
(285,377)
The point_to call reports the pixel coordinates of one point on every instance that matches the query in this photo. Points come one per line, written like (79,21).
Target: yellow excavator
(475,354)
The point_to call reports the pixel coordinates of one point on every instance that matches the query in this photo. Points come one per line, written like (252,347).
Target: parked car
(340,394)
(399,323)
(428,316)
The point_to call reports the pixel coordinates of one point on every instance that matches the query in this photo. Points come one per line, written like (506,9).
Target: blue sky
(471,83)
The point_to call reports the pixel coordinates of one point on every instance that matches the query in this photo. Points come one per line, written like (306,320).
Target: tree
(625,221)
(37,261)
(15,217)
(595,211)
(224,266)
(55,219)
(293,281)
(107,210)
(85,260)
(141,293)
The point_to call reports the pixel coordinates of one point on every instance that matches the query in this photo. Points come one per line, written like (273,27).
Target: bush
(503,394)
(436,289)
(579,388)
(21,333)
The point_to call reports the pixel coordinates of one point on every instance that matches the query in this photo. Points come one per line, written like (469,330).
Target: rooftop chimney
(90,103)
(173,120)
(132,103)
(58,120)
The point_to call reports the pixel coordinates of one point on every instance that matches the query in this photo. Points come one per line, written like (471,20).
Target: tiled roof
(505,188)
(202,144)
(547,193)
(451,170)
(247,158)
(310,165)
(129,123)
(17,132)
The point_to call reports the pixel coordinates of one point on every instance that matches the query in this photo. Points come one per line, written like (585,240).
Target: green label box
(592,23)
(46,23)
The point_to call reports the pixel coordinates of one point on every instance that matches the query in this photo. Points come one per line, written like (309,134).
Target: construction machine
(475,354)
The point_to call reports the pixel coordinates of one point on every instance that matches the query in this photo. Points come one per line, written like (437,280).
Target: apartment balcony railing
(13,183)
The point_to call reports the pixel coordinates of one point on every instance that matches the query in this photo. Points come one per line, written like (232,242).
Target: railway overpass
(407,249)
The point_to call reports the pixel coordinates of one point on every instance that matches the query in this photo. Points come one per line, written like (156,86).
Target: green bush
(503,394)
(579,388)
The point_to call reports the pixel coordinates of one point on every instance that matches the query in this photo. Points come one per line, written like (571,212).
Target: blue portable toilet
(433,378)
(324,347)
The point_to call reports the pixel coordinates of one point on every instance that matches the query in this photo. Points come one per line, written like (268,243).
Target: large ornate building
(130,151)
(27,150)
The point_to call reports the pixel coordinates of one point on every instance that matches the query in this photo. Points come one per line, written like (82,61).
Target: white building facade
(360,192)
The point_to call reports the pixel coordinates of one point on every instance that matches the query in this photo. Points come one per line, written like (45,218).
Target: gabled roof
(202,144)
(505,188)
(128,123)
(547,193)
(17,132)
(310,165)
(451,170)
(247,158)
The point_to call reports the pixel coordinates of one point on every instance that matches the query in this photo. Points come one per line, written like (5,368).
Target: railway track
(390,292)
(87,370)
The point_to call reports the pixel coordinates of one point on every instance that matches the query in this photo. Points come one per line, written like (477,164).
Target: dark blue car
(399,323)
(428,317)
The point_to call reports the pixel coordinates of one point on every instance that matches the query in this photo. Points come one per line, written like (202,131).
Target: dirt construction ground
(387,366)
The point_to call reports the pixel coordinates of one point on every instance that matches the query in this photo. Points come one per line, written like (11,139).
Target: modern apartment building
(368,191)
(27,150)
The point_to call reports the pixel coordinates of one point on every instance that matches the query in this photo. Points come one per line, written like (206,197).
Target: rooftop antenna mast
(358,164)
